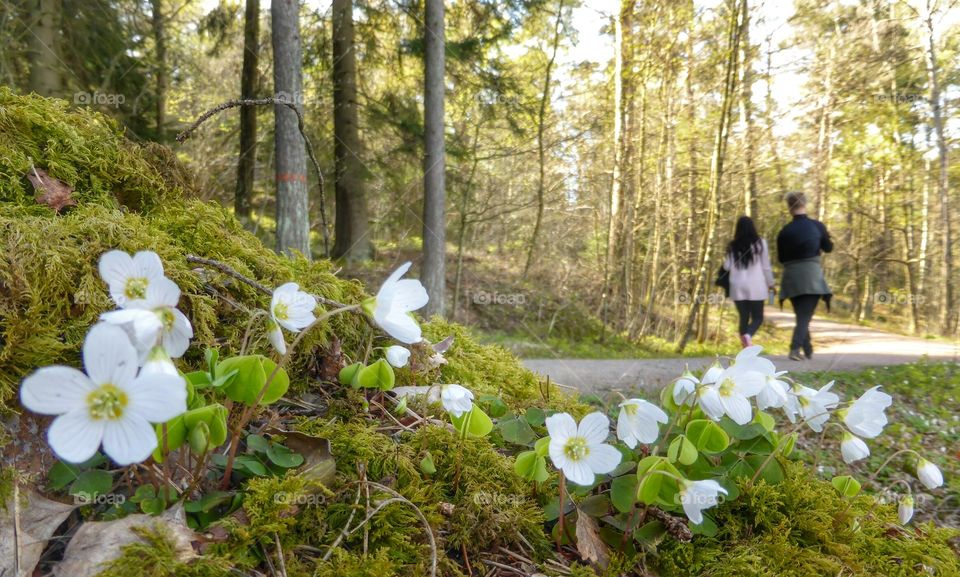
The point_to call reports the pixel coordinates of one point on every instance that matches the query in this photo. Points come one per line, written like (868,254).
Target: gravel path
(837,346)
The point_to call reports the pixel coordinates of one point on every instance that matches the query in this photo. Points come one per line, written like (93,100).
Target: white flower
(711,375)
(695,496)
(774,393)
(292,309)
(853,448)
(398,356)
(811,404)
(580,452)
(730,393)
(159,363)
(456,399)
(155,320)
(129,277)
(929,474)
(638,422)
(865,416)
(393,304)
(905,509)
(684,389)
(750,359)
(108,404)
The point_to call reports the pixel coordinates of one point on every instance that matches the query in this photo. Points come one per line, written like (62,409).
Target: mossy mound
(136,198)
(802,527)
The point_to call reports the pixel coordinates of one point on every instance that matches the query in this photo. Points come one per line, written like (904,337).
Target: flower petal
(147,264)
(276,339)
(561,427)
(578,472)
(74,436)
(129,440)
(55,390)
(603,458)
(594,428)
(738,408)
(176,341)
(157,398)
(108,355)
(162,292)
(401,327)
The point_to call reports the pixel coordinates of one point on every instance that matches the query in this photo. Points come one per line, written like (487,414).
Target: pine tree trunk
(43,48)
(698,301)
(160,53)
(352,232)
(434,194)
(541,153)
(246,165)
(293,218)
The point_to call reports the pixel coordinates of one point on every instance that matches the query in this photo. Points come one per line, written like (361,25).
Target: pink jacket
(753,282)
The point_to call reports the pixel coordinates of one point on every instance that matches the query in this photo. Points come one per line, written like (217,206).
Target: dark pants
(751,316)
(803,307)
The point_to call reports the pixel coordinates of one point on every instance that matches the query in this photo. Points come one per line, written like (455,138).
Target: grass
(924,417)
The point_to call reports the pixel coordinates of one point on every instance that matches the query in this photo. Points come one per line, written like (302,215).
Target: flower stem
(249,411)
(563,487)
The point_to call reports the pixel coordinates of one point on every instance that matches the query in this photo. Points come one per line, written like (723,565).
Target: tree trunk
(541,153)
(160,48)
(293,217)
(434,194)
(746,117)
(43,49)
(698,302)
(946,255)
(246,165)
(352,232)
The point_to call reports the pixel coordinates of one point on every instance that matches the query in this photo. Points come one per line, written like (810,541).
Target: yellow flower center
(166,317)
(630,409)
(107,402)
(576,448)
(727,387)
(281,311)
(136,288)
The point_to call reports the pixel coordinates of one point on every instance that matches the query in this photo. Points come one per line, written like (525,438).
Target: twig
(226,269)
(423,519)
(505,567)
(300,125)
(346,528)
(283,564)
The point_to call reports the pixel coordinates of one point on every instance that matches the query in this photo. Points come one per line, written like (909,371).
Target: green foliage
(802,527)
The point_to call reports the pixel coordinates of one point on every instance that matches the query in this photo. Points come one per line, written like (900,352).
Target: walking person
(799,246)
(751,279)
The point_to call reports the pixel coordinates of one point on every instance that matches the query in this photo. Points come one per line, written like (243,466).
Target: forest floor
(837,347)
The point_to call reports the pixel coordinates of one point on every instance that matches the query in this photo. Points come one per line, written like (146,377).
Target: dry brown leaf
(98,542)
(589,544)
(51,191)
(318,463)
(25,528)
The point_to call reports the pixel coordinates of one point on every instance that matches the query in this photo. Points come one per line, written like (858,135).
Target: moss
(473,500)
(156,556)
(802,528)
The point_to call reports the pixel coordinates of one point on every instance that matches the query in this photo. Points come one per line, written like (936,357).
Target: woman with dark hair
(751,278)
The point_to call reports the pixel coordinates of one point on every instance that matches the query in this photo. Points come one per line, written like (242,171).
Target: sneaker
(795,355)
(744,341)
(749,340)
(808,350)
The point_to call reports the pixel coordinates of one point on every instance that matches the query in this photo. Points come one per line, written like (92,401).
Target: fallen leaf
(25,528)
(443,345)
(51,191)
(589,544)
(327,363)
(318,462)
(98,542)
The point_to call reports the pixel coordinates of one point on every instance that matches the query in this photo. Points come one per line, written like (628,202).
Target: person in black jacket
(799,246)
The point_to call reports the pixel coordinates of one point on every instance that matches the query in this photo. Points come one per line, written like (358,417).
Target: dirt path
(837,346)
